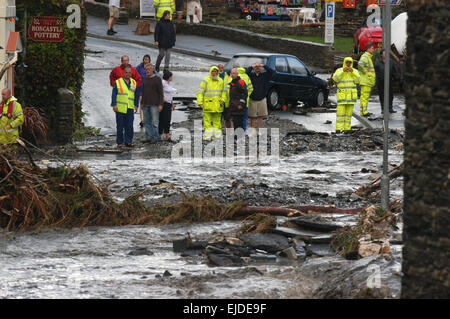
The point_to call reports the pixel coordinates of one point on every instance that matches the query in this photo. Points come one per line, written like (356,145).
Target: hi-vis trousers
(344,117)
(364,99)
(212,123)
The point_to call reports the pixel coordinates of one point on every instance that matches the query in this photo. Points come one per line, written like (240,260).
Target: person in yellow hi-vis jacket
(11,118)
(211,98)
(368,77)
(346,79)
(163,5)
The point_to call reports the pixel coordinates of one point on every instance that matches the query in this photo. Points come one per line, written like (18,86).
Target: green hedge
(50,66)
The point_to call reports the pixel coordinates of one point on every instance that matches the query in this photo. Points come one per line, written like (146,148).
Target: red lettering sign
(46,29)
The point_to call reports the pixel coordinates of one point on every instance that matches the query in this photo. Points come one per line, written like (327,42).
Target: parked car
(367,33)
(292,80)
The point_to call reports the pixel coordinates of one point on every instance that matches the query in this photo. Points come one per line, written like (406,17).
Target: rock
(328,122)
(224,260)
(271,243)
(313,171)
(299,234)
(321,250)
(184,244)
(288,253)
(367,249)
(181,245)
(140,251)
(306,222)
(234,241)
(263,257)
(167,274)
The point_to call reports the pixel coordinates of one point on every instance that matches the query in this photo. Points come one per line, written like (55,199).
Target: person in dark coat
(394,76)
(165,38)
(238,99)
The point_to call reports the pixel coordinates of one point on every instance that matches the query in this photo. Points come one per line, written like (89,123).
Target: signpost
(387,76)
(147,8)
(330,10)
(47,29)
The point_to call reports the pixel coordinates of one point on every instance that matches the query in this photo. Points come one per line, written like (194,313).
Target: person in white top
(165,116)
(114,6)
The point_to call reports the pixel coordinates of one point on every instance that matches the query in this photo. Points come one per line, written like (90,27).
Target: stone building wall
(427,147)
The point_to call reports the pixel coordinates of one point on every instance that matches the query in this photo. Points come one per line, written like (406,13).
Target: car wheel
(319,99)
(273,99)
(248,17)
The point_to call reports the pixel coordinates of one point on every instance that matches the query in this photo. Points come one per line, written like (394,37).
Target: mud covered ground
(294,140)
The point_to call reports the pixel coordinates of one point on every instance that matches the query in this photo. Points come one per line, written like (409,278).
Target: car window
(296,66)
(281,64)
(245,61)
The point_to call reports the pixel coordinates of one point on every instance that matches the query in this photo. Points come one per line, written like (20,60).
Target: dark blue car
(292,80)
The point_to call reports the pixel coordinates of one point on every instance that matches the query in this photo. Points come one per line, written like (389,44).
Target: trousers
(364,99)
(344,117)
(151,122)
(163,53)
(124,123)
(212,124)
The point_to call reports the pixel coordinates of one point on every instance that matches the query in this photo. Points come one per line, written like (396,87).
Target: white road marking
(97,60)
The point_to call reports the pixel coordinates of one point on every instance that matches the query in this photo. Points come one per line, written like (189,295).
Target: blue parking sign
(330,10)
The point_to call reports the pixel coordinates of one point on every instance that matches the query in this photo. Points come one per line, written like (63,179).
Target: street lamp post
(387,48)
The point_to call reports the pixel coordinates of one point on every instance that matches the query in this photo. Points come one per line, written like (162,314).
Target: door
(300,78)
(282,77)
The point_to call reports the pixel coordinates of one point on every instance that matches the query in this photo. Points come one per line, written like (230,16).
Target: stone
(308,223)
(289,253)
(140,251)
(271,243)
(367,249)
(321,250)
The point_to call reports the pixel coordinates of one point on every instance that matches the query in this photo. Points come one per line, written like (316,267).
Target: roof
(259,54)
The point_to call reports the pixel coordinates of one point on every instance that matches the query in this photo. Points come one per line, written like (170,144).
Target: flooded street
(139,261)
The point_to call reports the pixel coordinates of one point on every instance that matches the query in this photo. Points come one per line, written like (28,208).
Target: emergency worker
(11,118)
(211,98)
(346,79)
(163,5)
(243,75)
(368,77)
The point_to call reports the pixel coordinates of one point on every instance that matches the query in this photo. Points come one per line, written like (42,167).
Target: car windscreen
(244,61)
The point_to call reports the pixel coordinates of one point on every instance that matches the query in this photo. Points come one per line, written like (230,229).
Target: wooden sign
(47,29)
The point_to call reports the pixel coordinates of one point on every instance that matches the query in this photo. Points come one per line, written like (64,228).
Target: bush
(50,66)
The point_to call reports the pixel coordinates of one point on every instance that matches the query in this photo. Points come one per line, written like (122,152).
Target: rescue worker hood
(213,68)
(345,62)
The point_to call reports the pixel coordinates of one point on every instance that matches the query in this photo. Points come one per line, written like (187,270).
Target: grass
(340,43)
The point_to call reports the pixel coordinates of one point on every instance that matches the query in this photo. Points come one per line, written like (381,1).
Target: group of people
(234,98)
(367,76)
(174,7)
(141,89)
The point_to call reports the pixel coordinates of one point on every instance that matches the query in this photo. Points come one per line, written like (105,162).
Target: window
(281,65)
(296,66)
(244,61)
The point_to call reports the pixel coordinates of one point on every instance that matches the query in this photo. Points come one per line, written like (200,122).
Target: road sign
(330,10)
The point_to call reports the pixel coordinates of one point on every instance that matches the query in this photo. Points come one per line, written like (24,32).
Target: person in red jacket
(119,71)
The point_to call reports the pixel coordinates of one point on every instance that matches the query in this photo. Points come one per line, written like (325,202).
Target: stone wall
(427,147)
(315,54)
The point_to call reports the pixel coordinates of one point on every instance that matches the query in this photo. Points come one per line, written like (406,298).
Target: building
(10,44)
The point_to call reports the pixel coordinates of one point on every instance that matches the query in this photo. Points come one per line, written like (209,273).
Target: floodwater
(95,262)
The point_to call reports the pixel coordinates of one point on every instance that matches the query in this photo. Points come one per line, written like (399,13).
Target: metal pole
(387,48)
